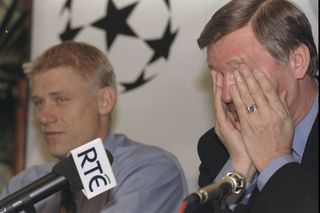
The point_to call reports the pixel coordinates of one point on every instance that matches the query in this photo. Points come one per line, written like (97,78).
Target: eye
(38,103)
(61,99)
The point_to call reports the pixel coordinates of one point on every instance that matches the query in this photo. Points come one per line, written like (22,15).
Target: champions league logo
(128,21)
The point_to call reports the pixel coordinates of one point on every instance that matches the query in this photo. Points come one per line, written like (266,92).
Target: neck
(307,91)
(104,128)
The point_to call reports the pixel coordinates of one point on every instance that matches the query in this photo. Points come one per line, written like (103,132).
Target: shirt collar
(109,143)
(302,130)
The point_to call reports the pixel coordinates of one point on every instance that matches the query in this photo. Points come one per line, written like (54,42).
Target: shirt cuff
(274,166)
(225,169)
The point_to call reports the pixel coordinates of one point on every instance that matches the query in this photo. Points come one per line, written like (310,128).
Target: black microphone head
(67,168)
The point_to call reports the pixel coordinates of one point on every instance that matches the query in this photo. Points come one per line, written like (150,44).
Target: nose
(46,115)
(228,80)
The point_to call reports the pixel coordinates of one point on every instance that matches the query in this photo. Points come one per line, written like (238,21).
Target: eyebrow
(210,66)
(51,94)
(235,62)
(34,98)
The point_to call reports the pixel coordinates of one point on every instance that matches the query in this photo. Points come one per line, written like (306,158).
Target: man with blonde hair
(73,91)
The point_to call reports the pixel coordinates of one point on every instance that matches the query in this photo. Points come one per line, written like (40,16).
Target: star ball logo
(115,23)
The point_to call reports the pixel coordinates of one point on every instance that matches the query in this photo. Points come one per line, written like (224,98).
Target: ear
(106,100)
(299,61)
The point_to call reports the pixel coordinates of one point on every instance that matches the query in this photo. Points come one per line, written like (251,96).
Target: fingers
(217,80)
(250,90)
(213,75)
(237,100)
(267,133)
(241,94)
(255,88)
(272,98)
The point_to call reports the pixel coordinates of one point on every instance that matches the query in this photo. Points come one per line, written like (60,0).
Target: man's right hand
(228,129)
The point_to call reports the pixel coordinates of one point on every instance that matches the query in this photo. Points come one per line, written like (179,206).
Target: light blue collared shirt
(149,180)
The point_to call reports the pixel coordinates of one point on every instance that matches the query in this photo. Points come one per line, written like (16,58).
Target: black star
(138,82)
(67,5)
(69,33)
(167,2)
(161,46)
(114,22)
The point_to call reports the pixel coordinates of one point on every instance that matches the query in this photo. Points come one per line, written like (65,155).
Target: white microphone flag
(94,168)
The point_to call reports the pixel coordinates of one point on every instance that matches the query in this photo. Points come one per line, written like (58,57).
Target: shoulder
(146,177)
(132,153)
(207,138)
(209,143)
(128,150)
(213,155)
(144,163)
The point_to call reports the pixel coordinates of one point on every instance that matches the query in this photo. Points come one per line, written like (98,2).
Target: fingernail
(236,75)
(242,67)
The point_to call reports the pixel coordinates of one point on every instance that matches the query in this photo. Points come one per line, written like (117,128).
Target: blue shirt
(149,180)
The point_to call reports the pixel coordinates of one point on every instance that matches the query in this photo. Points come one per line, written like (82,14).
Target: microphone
(231,183)
(64,174)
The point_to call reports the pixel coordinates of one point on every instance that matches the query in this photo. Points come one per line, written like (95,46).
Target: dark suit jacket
(292,189)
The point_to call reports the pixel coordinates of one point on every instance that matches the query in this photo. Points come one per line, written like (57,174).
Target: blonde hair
(87,60)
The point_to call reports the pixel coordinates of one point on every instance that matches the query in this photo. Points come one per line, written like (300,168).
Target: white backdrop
(173,109)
